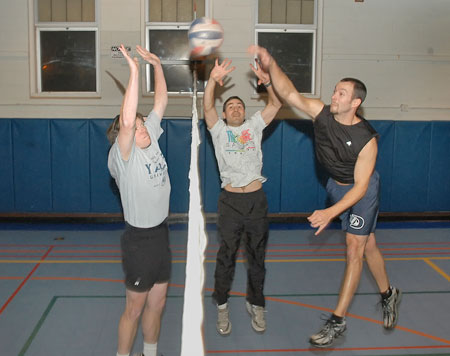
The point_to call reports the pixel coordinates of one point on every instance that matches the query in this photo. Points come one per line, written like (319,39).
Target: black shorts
(146,256)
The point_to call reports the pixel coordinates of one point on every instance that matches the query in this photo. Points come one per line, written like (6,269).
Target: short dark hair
(113,129)
(230,98)
(359,89)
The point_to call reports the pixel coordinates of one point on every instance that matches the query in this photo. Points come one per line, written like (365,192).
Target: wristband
(268,84)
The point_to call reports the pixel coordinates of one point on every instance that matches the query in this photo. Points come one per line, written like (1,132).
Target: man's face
(142,137)
(234,112)
(341,100)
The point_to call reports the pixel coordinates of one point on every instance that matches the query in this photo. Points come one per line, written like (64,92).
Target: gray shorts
(146,256)
(360,219)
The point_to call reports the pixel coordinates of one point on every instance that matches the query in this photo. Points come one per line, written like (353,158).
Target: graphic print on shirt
(239,143)
(157,169)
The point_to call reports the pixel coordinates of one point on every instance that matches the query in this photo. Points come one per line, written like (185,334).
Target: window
(288,29)
(167,26)
(66,46)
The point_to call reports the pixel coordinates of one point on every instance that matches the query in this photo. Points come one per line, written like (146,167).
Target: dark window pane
(68,61)
(294,54)
(169,44)
(179,78)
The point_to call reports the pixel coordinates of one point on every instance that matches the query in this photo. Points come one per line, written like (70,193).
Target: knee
(133,311)
(355,251)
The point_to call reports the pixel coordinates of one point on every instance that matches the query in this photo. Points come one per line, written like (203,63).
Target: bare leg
(355,252)
(376,264)
(151,318)
(129,320)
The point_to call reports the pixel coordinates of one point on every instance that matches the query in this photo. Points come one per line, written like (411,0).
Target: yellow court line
(426,259)
(437,269)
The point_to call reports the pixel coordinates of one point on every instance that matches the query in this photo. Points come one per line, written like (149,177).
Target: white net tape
(192,336)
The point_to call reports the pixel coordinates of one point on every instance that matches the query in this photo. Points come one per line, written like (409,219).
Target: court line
(239,260)
(314,350)
(437,269)
(25,280)
(54,299)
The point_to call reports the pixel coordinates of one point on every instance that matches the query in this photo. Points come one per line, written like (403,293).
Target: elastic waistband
(138,229)
(244,194)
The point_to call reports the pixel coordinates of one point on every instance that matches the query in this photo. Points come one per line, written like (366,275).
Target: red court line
(330,349)
(77,279)
(24,281)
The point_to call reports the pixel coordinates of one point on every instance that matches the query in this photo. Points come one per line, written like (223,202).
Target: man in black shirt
(346,145)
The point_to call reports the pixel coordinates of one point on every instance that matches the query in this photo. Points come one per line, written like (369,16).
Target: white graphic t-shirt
(238,151)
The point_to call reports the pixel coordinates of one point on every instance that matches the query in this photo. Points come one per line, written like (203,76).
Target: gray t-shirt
(143,180)
(238,151)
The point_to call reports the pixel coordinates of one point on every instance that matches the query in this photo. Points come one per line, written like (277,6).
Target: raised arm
(218,73)
(364,167)
(160,99)
(129,105)
(284,86)
(273,103)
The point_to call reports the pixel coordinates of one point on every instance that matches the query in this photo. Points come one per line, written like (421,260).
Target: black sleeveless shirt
(338,146)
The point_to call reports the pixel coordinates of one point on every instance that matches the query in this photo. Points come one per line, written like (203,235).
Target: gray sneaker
(223,324)
(258,320)
(390,308)
(330,331)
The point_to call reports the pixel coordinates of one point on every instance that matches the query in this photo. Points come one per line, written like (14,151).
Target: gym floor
(62,292)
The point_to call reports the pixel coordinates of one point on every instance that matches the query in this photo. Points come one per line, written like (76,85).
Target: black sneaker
(390,308)
(330,331)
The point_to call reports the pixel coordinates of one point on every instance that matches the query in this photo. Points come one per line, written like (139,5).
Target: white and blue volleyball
(205,37)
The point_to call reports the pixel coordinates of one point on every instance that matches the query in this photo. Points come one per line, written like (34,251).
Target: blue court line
(37,226)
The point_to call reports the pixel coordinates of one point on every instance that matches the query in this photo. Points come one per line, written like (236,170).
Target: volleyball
(205,37)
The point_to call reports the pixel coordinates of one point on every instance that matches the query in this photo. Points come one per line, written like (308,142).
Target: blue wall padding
(178,158)
(70,165)
(32,165)
(411,166)
(6,170)
(386,131)
(60,166)
(439,169)
(104,193)
(302,181)
(211,176)
(272,144)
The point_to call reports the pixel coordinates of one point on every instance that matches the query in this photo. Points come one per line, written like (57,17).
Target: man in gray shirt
(136,163)
(242,206)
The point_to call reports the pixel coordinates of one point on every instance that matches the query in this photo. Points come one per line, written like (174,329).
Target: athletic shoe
(330,331)
(390,308)
(258,320)
(223,325)
(139,354)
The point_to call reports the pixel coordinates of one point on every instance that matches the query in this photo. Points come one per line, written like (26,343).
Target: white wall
(399,48)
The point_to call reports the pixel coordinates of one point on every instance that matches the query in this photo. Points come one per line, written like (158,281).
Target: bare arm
(161,99)
(284,86)
(128,108)
(364,167)
(273,104)
(217,75)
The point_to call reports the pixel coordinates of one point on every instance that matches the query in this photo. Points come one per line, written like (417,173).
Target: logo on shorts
(356,222)
(137,282)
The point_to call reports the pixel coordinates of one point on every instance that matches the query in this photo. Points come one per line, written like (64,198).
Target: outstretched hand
(262,54)
(132,62)
(263,77)
(320,219)
(220,71)
(151,58)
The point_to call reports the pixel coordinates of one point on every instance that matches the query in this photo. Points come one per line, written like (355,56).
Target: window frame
(146,39)
(35,30)
(314,28)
